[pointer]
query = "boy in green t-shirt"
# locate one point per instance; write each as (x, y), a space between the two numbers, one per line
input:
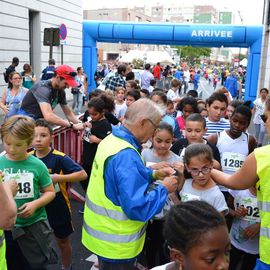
(30, 240)
(62, 169)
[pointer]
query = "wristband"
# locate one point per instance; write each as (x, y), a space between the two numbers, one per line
(71, 124)
(154, 174)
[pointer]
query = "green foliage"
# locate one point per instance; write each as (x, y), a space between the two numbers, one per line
(192, 54)
(137, 63)
(242, 56)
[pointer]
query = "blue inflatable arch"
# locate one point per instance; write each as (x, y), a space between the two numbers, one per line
(174, 34)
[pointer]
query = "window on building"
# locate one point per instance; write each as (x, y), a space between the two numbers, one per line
(112, 56)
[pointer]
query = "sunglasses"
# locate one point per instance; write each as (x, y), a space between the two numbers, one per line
(72, 73)
(264, 117)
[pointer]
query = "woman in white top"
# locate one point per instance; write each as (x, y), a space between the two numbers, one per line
(258, 109)
(80, 91)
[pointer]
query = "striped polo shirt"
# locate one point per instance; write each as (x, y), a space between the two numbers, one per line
(214, 127)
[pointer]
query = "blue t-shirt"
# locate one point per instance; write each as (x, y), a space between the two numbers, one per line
(47, 73)
(58, 210)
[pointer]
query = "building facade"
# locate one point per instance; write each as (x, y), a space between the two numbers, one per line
(22, 29)
(111, 51)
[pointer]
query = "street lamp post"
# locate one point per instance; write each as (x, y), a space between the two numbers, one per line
(241, 18)
(120, 48)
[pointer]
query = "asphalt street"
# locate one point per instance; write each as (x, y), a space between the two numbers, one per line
(82, 259)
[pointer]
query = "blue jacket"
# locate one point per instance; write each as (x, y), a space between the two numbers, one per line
(231, 84)
(127, 181)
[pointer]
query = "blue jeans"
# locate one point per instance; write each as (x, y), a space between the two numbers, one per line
(259, 133)
(77, 102)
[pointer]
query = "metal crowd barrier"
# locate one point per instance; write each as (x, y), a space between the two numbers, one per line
(68, 141)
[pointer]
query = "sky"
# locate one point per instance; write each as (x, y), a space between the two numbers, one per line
(250, 11)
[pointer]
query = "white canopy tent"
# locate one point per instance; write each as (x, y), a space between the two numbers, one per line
(151, 57)
(243, 62)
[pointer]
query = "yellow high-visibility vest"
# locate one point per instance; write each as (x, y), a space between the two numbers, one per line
(107, 231)
(3, 265)
(262, 155)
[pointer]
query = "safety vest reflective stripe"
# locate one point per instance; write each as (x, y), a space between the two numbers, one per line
(265, 232)
(115, 238)
(264, 206)
(113, 214)
(107, 230)
(2, 238)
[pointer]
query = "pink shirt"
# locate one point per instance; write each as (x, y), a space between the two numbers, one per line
(181, 122)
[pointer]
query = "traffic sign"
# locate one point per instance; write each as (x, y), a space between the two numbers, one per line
(63, 31)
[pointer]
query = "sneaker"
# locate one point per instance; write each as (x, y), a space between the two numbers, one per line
(81, 211)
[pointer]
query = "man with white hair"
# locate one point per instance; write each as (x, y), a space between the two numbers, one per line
(120, 197)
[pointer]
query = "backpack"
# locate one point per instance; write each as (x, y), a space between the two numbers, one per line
(5, 76)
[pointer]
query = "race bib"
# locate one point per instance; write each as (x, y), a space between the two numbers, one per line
(25, 184)
(27, 79)
(57, 188)
(87, 133)
(185, 197)
(232, 161)
(252, 208)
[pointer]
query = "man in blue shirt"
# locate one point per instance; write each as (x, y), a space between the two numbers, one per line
(231, 85)
(146, 77)
(179, 74)
(128, 184)
(48, 72)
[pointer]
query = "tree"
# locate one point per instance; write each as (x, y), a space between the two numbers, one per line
(137, 63)
(192, 54)
(242, 56)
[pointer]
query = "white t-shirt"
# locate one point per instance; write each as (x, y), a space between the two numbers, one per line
(233, 152)
(259, 110)
(249, 201)
(120, 109)
(186, 75)
(150, 89)
(171, 95)
(213, 196)
(81, 80)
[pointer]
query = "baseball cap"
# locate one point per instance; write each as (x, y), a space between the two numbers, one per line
(68, 73)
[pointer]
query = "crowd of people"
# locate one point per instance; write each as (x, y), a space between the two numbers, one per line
(171, 181)
(160, 76)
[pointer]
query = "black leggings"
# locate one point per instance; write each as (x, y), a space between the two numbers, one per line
(104, 265)
(238, 256)
(155, 251)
